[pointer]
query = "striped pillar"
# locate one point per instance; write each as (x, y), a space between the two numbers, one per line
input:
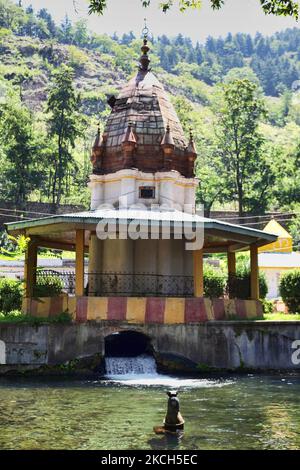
(198, 273)
(30, 268)
(79, 265)
(254, 272)
(231, 262)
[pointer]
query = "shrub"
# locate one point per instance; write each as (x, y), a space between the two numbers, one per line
(214, 282)
(19, 317)
(267, 306)
(239, 285)
(48, 286)
(11, 293)
(77, 58)
(289, 288)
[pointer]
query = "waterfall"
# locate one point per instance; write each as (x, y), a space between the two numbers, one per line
(139, 365)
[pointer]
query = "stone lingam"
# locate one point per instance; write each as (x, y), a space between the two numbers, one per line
(173, 421)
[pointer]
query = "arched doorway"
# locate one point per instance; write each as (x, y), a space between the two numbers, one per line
(127, 344)
(129, 352)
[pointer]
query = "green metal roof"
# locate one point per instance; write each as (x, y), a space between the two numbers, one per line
(123, 216)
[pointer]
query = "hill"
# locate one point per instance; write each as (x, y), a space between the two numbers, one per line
(33, 47)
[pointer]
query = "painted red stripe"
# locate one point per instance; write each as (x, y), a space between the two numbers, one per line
(56, 306)
(155, 310)
(81, 309)
(194, 310)
(259, 309)
(218, 309)
(32, 307)
(240, 307)
(117, 307)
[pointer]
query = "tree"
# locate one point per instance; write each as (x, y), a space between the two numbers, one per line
(22, 168)
(81, 33)
(66, 31)
(274, 7)
(65, 125)
(240, 144)
(43, 14)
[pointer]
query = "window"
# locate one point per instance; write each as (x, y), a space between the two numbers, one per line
(147, 192)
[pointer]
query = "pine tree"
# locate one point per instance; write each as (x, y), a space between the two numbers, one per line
(22, 169)
(65, 125)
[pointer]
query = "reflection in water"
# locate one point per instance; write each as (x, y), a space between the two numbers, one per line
(280, 427)
(168, 441)
(243, 412)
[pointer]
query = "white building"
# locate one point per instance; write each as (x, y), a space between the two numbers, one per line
(277, 258)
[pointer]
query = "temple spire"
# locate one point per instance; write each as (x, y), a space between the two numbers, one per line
(144, 59)
(191, 149)
(97, 151)
(191, 156)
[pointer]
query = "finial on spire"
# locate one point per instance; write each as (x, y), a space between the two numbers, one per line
(145, 31)
(167, 140)
(97, 142)
(129, 137)
(144, 59)
(191, 149)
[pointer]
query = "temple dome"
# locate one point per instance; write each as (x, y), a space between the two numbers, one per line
(143, 106)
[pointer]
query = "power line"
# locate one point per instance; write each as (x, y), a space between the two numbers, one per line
(25, 211)
(279, 214)
(259, 223)
(15, 217)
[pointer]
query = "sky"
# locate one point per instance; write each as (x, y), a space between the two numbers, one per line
(128, 15)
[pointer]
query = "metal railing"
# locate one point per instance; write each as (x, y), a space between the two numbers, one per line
(140, 284)
(125, 284)
(67, 278)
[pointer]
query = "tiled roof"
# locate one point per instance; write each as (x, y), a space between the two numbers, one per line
(144, 104)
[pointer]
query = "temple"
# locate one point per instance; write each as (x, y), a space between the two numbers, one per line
(144, 241)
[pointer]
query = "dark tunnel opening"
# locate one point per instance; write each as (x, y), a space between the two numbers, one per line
(127, 344)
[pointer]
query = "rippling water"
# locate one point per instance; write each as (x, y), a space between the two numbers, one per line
(235, 412)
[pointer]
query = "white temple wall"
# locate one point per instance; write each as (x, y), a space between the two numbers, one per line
(166, 257)
(171, 189)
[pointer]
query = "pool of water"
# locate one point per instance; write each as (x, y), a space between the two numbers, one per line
(232, 412)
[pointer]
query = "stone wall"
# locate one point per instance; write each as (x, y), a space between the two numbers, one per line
(259, 345)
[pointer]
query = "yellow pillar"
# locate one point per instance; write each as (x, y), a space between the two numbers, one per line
(254, 272)
(198, 273)
(30, 268)
(79, 265)
(231, 262)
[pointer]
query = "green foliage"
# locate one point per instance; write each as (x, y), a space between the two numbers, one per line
(294, 230)
(77, 58)
(18, 317)
(289, 288)
(214, 282)
(48, 286)
(268, 306)
(22, 171)
(240, 144)
(11, 293)
(239, 285)
(65, 125)
(17, 247)
(274, 7)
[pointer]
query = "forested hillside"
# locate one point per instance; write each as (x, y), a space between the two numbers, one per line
(251, 162)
